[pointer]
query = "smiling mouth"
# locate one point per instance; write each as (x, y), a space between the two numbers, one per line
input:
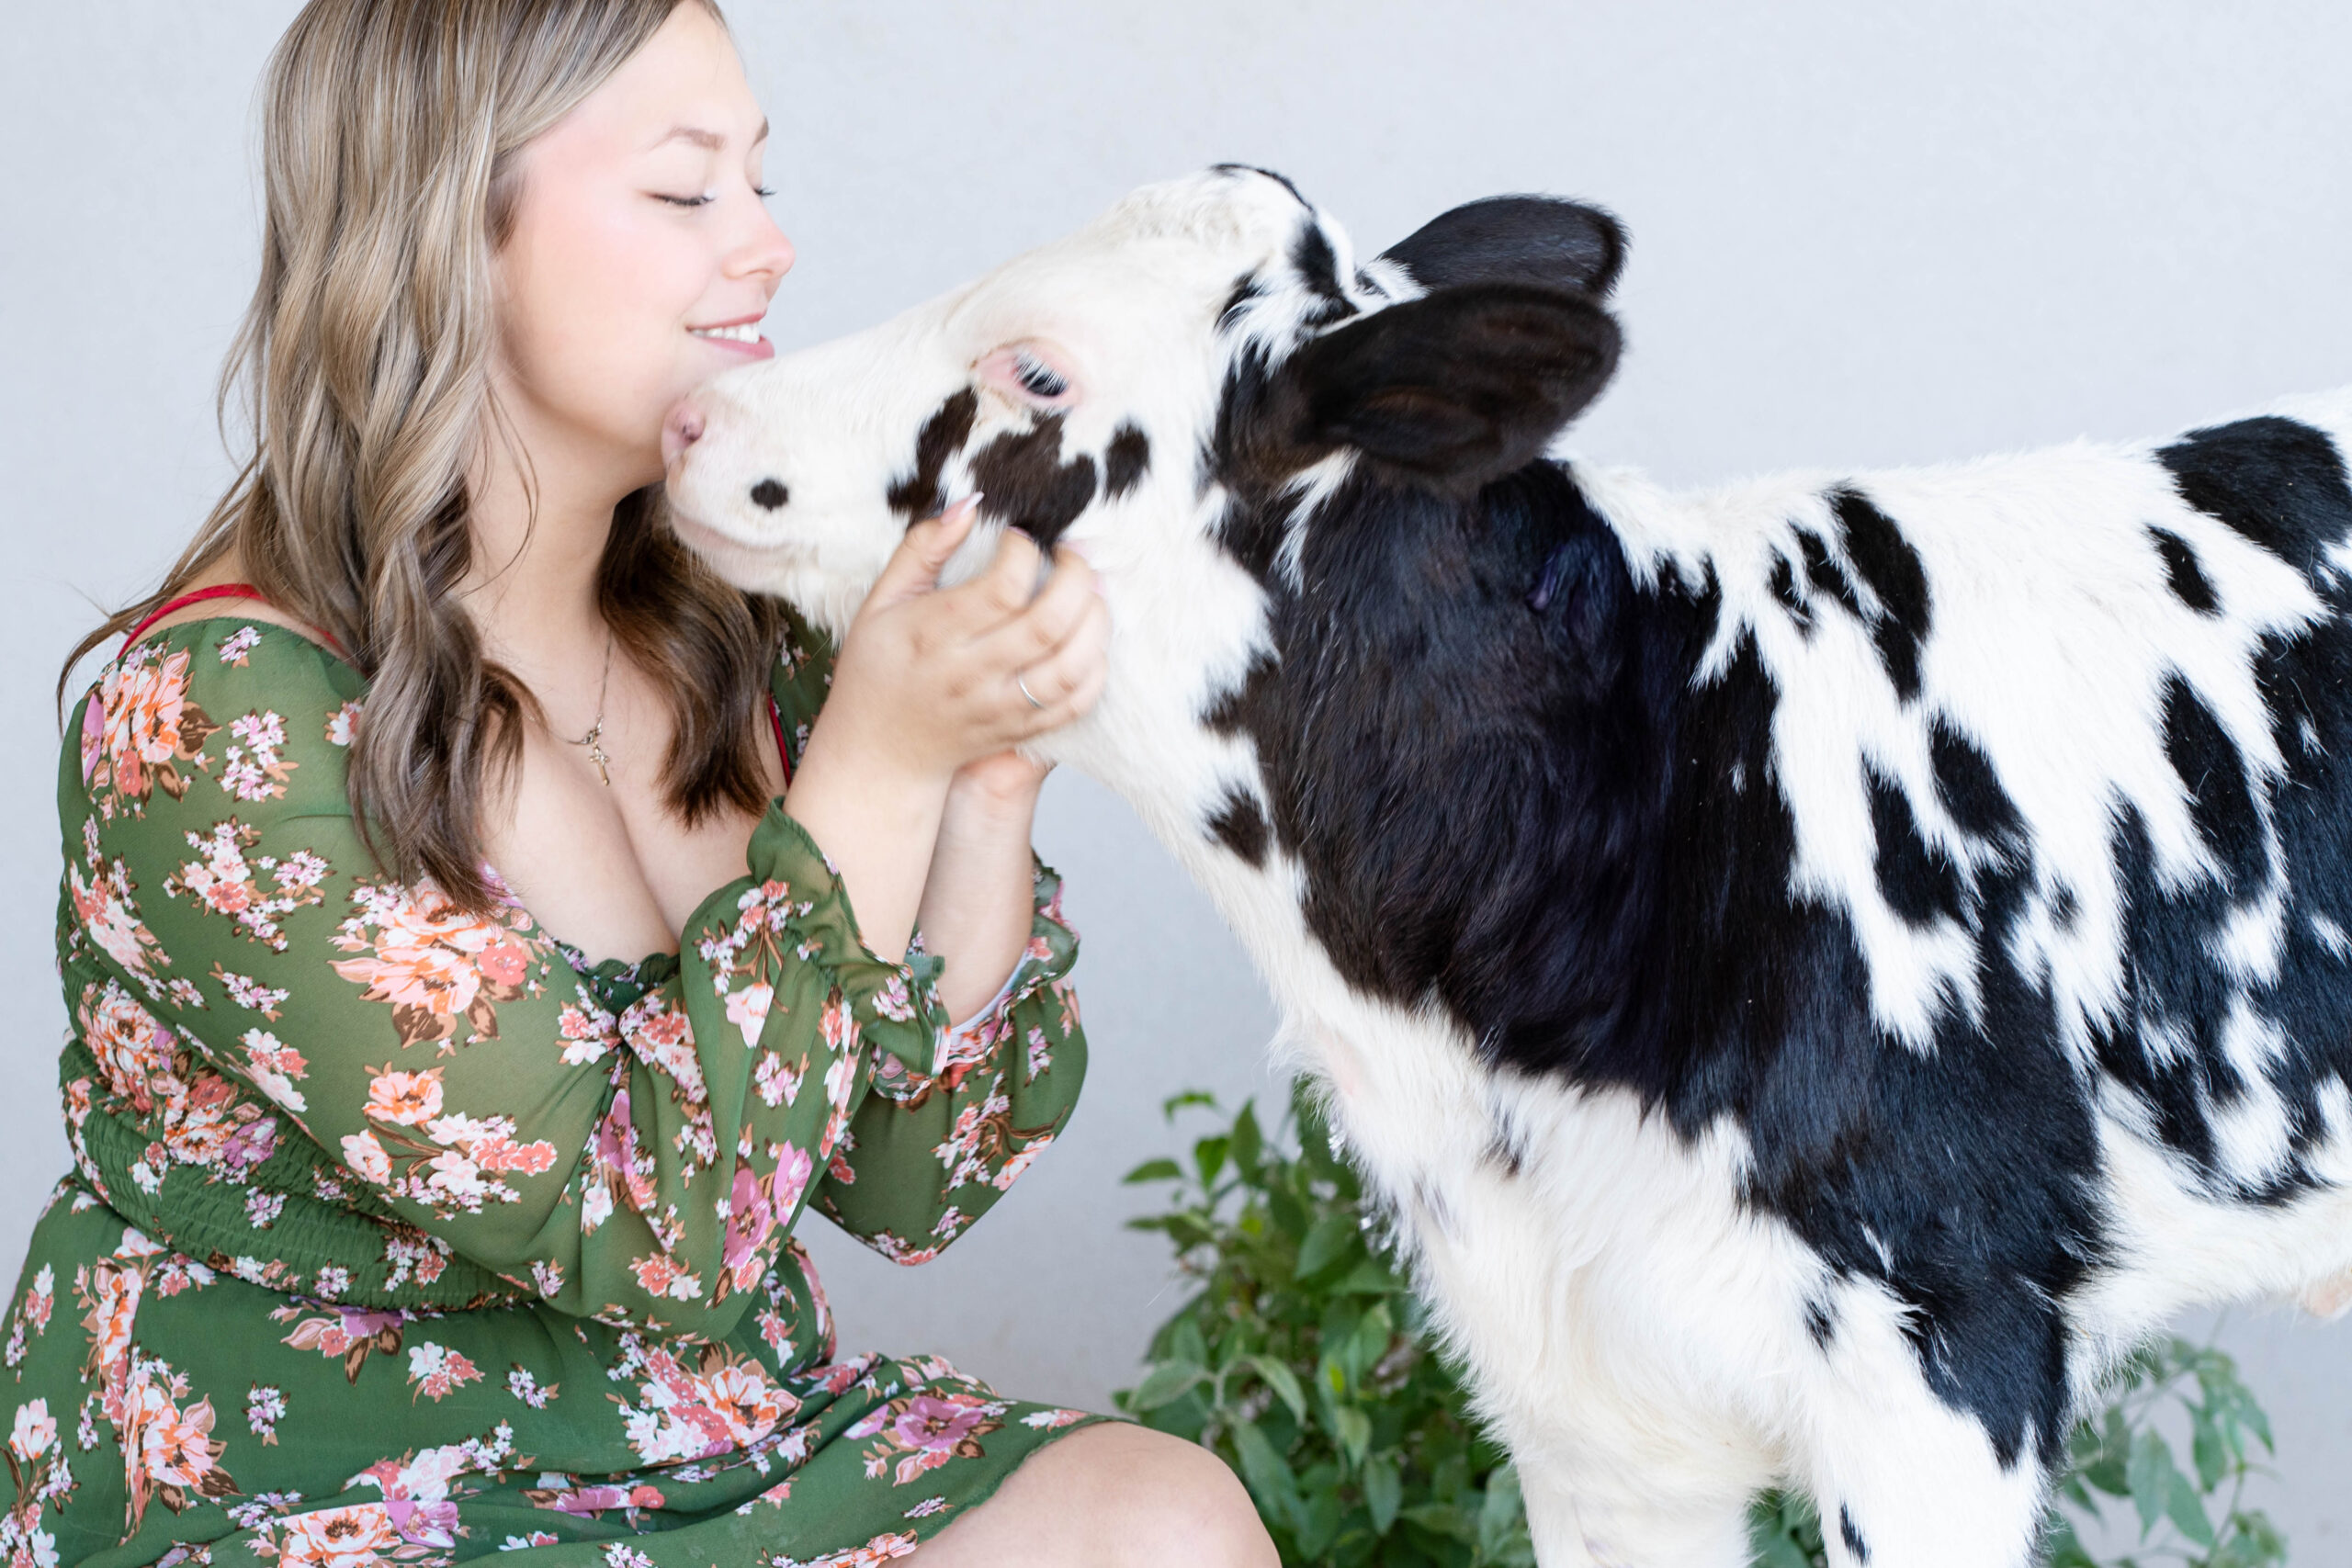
(745, 332)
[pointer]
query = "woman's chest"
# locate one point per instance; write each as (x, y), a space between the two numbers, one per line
(595, 852)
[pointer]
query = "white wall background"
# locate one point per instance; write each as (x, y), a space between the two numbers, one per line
(1863, 234)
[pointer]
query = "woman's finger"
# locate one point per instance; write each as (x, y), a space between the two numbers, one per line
(1046, 622)
(1011, 581)
(914, 566)
(1076, 666)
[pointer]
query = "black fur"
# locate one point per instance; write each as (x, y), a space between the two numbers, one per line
(1886, 561)
(1240, 826)
(770, 494)
(1125, 461)
(2186, 578)
(1451, 390)
(943, 435)
(1850, 1536)
(1515, 238)
(1026, 485)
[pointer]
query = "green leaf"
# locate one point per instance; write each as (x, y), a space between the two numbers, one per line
(1176, 1102)
(1383, 1490)
(2151, 1474)
(1284, 1383)
(1370, 1341)
(2211, 1454)
(1267, 1473)
(1504, 1513)
(1209, 1155)
(1154, 1171)
(1372, 1277)
(1353, 1428)
(2187, 1511)
(1186, 1344)
(1169, 1381)
(1248, 1144)
(1441, 1518)
(1325, 1243)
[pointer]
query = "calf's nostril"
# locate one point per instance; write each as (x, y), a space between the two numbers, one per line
(770, 494)
(681, 430)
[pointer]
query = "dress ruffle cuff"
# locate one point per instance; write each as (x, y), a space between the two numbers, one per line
(897, 1005)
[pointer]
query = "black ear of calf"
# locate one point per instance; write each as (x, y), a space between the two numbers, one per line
(1459, 387)
(1515, 238)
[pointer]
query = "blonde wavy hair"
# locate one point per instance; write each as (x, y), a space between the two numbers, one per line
(391, 136)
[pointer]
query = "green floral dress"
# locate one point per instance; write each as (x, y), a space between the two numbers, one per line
(401, 1235)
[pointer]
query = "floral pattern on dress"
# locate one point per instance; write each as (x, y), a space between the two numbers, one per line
(359, 1171)
(139, 729)
(433, 961)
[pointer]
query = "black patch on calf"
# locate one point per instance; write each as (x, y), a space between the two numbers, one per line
(1850, 1536)
(1240, 826)
(2277, 482)
(1025, 482)
(1318, 266)
(1917, 878)
(1246, 288)
(919, 493)
(1125, 462)
(1968, 788)
(1540, 817)
(1784, 594)
(2221, 795)
(2187, 579)
(1826, 576)
(1820, 1323)
(770, 493)
(1891, 568)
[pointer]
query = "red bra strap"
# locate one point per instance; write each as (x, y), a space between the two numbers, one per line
(218, 591)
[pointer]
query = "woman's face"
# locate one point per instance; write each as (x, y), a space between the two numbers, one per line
(639, 243)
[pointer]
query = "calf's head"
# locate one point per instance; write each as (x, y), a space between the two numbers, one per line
(1175, 390)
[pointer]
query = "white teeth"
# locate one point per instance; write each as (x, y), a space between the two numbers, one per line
(748, 332)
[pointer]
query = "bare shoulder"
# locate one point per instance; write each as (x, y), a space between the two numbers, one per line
(227, 574)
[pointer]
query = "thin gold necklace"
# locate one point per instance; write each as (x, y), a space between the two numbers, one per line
(594, 739)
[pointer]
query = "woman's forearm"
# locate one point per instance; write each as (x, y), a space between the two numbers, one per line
(975, 908)
(878, 828)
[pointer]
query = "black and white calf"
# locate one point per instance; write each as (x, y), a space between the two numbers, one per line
(1821, 966)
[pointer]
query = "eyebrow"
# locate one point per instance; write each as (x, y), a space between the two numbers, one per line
(711, 139)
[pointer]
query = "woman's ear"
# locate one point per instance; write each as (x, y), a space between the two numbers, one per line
(1456, 388)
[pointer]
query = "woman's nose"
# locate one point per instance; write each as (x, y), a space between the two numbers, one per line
(681, 430)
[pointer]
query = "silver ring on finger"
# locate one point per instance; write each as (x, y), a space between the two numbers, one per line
(1027, 692)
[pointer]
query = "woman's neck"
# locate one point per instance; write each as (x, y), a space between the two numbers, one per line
(541, 507)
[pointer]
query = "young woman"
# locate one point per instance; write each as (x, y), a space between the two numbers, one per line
(485, 934)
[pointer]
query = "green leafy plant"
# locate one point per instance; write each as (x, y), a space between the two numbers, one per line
(1303, 1359)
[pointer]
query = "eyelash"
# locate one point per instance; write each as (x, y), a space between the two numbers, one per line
(762, 192)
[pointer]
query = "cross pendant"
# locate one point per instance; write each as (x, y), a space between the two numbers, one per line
(595, 741)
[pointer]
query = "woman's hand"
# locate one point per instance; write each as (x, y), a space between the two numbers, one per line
(930, 678)
(925, 684)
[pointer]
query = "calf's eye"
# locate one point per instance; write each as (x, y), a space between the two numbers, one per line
(1037, 378)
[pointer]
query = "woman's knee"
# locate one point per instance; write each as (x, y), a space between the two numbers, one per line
(1175, 1502)
(1112, 1495)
